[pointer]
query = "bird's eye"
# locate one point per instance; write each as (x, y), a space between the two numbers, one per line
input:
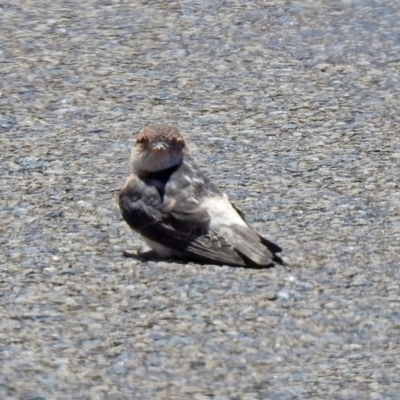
(179, 142)
(141, 140)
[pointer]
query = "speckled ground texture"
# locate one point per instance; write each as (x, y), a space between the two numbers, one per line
(292, 107)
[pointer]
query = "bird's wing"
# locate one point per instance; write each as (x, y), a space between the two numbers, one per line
(180, 225)
(272, 247)
(252, 247)
(256, 251)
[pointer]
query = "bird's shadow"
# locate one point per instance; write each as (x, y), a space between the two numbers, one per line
(151, 255)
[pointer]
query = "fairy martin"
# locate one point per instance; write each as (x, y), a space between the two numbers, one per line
(180, 213)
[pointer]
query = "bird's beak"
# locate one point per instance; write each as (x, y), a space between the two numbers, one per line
(160, 146)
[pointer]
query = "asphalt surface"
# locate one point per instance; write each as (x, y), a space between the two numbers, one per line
(292, 107)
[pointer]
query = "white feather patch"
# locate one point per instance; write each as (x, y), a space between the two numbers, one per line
(160, 249)
(222, 212)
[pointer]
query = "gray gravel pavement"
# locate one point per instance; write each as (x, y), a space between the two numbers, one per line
(292, 107)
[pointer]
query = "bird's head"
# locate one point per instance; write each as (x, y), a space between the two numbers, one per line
(157, 147)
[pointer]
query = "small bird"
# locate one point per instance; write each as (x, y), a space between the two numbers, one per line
(180, 213)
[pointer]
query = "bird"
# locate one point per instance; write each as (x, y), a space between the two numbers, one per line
(180, 213)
